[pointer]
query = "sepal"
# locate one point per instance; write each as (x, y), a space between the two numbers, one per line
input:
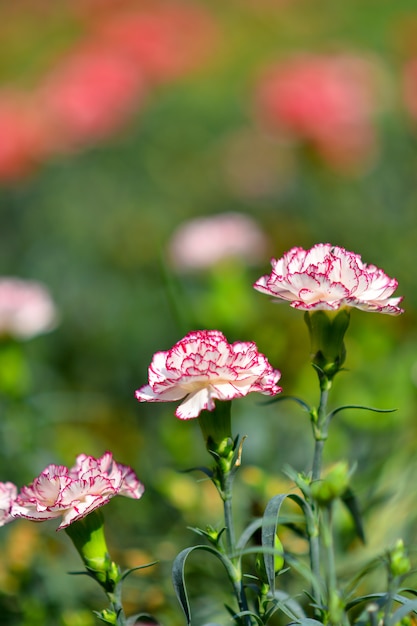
(327, 330)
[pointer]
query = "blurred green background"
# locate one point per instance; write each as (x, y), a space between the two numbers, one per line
(92, 216)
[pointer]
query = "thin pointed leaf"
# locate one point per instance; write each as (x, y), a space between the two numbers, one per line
(351, 502)
(247, 533)
(379, 598)
(280, 398)
(200, 468)
(307, 621)
(138, 567)
(250, 614)
(405, 609)
(178, 574)
(293, 605)
(269, 529)
(358, 406)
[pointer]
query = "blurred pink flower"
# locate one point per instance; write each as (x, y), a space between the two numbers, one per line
(203, 367)
(328, 100)
(22, 137)
(203, 242)
(163, 39)
(328, 277)
(8, 494)
(89, 95)
(26, 308)
(74, 493)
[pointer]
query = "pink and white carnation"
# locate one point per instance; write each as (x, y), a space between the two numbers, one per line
(203, 367)
(73, 493)
(8, 494)
(26, 308)
(328, 278)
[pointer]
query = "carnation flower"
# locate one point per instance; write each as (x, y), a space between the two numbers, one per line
(74, 493)
(202, 242)
(203, 367)
(8, 493)
(26, 308)
(328, 278)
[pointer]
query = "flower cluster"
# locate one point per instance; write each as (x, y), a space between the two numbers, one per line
(203, 367)
(328, 278)
(95, 87)
(26, 308)
(71, 493)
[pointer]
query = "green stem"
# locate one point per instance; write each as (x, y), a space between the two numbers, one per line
(116, 605)
(226, 482)
(320, 426)
(327, 536)
(320, 430)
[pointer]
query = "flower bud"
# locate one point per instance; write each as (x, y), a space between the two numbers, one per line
(399, 562)
(333, 485)
(107, 616)
(278, 561)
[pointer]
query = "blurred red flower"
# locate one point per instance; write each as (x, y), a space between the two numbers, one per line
(88, 95)
(327, 100)
(22, 137)
(410, 87)
(165, 40)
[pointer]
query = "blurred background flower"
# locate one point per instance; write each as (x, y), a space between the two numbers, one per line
(124, 124)
(26, 308)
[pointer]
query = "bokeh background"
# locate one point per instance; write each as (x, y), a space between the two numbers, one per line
(121, 122)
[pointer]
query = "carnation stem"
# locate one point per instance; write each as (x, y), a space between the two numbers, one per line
(320, 425)
(225, 491)
(320, 430)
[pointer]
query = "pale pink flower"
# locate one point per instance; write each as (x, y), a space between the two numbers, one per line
(328, 277)
(73, 493)
(26, 308)
(203, 367)
(202, 242)
(8, 494)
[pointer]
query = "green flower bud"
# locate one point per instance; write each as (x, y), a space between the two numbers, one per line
(333, 485)
(278, 561)
(107, 616)
(399, 562)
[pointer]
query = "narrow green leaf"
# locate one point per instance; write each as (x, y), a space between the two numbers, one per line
(408, 607)
(205, 470)
(178, 574)
(269, 529)
(138, 567)
(358, 406)
(250, 614)
(247, 533)
(351, 502)
(280, 398)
